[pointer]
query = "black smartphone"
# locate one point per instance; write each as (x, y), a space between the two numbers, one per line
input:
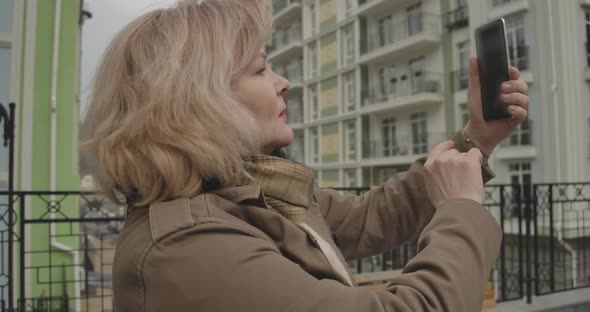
(494, 63)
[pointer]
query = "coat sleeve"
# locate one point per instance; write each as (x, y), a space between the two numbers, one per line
(385, 217)
(222, 267)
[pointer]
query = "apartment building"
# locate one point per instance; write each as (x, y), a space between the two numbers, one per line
(375, 83)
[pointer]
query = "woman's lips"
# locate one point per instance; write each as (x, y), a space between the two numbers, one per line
(283, 116)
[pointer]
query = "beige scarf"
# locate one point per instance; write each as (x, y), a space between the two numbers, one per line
(287, 185)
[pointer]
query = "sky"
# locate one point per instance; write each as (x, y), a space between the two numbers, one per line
(108, 18)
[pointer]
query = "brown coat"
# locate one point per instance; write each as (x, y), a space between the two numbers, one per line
(225, 251)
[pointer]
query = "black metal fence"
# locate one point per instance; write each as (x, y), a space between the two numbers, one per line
(57, 247)
(546, 242)
(57, 250)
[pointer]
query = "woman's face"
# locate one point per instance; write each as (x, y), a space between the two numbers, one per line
(261, 91)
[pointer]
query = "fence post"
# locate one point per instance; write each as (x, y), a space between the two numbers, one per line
(503, 245)
(527, 216)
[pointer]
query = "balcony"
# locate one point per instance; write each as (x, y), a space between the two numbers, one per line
(404, 149)
(294, 111)
(372, 7)
(587, 74)
(286, 44)
(457, 18)
(421, 91)
(502, 8)
(460, 79)
(402, 37)
(292, 72)
(284, 10)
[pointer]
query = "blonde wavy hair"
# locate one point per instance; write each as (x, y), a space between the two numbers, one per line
(163, 119)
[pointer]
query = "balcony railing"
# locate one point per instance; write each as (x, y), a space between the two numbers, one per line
(460, 79)
(522, 136)
(294, 111)
(278, 5)
(292, 71)
(403, 145)
(587, 54)
(458, 18)
(496, 3)
(285, 37)
(427, 82)
(541, 253)
(401, 29)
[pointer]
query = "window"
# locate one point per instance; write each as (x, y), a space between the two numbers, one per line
(516, 43)
(314, 102)
(314, 149)
(587, 38)
(385, 31)
(390, 147)
(294, 110)
(384, 173)
(5, 63)
(520, 177)
(417, 74)
(415, 19)
(313, 17)
(522, 134)
(496, 3)
(350, 141)
(464, 115)
(350, 178)
(6, 9)
(419, 133)
(347, 7)
(313, 60)
(463, 72)
(387, 82)
(295, 149)
(349, 92)
(461, 3)
(347, 45)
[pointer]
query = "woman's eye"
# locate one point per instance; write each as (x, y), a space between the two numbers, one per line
(261, 71)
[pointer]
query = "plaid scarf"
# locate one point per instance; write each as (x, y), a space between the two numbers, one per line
(287, 185)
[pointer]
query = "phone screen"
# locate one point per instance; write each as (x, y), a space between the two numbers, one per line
(493, 68)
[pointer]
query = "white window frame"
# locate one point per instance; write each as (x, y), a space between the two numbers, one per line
(464, 114)
(587, 26)
(347, 45)
(350, 146)
(314, 18)
(417, 74)
(314, 145)
(314, 103)
(514, 27)
(350, 178)
(313, 60)
(419, 127)
(463, 50)
(349, 92)
(389, 139)
(384, 31)
(415, 18)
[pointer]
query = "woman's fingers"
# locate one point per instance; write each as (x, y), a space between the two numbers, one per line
(515, 86)
(514, 73)
(516, 98)
(518, 113)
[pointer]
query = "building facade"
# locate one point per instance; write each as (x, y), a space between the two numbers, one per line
(39, 72)
(376, 83)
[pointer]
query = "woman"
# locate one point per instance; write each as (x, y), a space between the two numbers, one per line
(186, 121)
